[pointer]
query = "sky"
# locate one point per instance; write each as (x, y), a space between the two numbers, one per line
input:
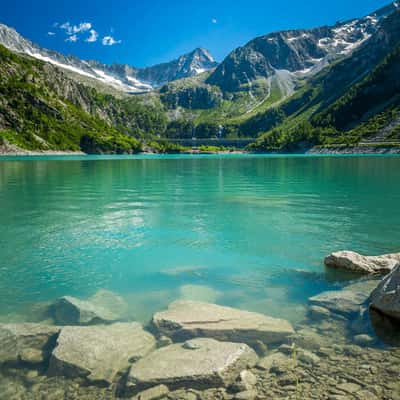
(146, 32)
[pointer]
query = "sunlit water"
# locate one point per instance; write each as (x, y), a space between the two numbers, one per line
(247, 231)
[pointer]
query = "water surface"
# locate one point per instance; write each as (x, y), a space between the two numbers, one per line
(246, 231)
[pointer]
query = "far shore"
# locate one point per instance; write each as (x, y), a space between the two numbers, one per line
(355, 150)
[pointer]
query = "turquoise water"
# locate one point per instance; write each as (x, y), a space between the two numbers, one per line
(246, 231)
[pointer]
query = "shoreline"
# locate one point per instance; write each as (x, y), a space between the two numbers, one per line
(351, 150)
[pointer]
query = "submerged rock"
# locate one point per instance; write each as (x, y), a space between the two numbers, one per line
(188, 319)
(386, 297)
(344, 302)
(351, 261)
(27, 342)
(198, 293)
(99, 352)
(198, 363)
(103, 307)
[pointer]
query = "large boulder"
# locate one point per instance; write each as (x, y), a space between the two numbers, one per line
(343, 302)
(27, 342)
(351, 261)
(198, 364)
(99, 352)
(188, 319)
(103, 307)
(386, 297)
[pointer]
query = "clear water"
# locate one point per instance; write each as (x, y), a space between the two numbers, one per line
(247, 231)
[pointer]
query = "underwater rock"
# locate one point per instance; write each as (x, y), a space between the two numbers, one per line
(343, 302)
(187, 319)
(386, 297)
(99, 352)
(154, 393)
(26, 342)
(198, 363)
(274, 360)
(198, 293)
(102, 308)
(351, 261)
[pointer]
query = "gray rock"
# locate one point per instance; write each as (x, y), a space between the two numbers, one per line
(154, 393)
(351, 261)
(27, 342)
(69, 310)
(99, 352)
(386, 297)
(344, 302)
(246, 381)
(187, 319)
(308, 357)
(318, 313)
(199, 363)
(246, 395)
(363, 340)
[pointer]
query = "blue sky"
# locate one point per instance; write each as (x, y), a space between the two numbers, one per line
(147, 32)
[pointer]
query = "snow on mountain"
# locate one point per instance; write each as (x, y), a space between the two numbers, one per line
(301, 52)
(119, 76)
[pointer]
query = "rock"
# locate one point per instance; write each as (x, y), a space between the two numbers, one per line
(27, 342)
(386, 297)
(364, 286)
(199, 293)
(318, 313)
(246, 381)
(72, 311)
(111, 302)
(198, 364)
(274, 360)
(154, 393)
(355, 262)
(307, 357)
(187, 319)
(363, 340)
(100, 352)
(344, 302)
(246, 395)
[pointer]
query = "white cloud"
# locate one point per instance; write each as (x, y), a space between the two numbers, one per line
(82, 27)
(214, 20)
(93, 36)
(74, 29)
(72, 38)
(109, 41)
(51, 33)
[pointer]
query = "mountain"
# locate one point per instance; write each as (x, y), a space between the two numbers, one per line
(356, 99)
(300, 52)
(119, 76)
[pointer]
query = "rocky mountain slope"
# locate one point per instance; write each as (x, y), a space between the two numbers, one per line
(119, 76)
(301, 52)
(41, 108)
(353, 100)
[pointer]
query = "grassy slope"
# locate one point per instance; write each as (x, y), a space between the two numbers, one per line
(41, 108)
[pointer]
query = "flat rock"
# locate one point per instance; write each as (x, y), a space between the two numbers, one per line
(352, 261)
(386, 297)
(344, 302)
(102, 308)
(187, 319)
(27, 342)
(99, 352)
(198, 364)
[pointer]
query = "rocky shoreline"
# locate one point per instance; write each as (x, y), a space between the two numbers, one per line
(193, 350)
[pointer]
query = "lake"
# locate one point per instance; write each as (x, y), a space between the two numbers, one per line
(246, 231)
